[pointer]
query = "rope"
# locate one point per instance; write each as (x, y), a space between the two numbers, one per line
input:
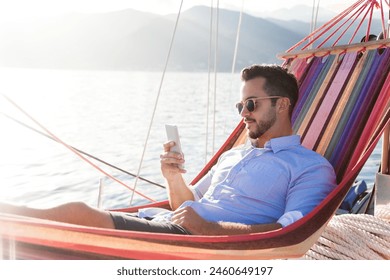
(157, 99)
(209, 82)
(314, 16)
(215, 75)
(214, 93)
(354, 237)
(234, 62)
(72, 149)
(83, 152)
(354, 11)
(326, 26)
(237, 38)
(384, 30)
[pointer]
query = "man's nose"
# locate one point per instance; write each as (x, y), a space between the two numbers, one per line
(244, 112)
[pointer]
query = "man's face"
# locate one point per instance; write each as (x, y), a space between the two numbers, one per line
(263, 117)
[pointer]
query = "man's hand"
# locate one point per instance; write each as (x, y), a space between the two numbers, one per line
(170, 162)
(191, 221)
(177, 189)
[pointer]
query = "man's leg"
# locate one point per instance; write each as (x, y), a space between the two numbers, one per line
(74, 213)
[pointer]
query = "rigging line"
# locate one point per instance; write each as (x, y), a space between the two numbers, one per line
(313, 20)
(388, 20)
(316, 15)
(82, 152)
(383, 21)
(312, 17)
(209, 82)
(215, 74)
(235, 58)
(157, 99)
(237, 37)
(73, 150)
(311, 23)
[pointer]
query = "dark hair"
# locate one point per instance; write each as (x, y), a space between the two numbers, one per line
(278, 81)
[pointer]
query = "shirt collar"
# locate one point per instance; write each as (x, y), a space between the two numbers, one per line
(283, 143)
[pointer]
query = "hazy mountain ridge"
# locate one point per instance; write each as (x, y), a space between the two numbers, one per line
(133, 40)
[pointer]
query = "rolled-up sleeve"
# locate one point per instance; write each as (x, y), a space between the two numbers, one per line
(308, 191)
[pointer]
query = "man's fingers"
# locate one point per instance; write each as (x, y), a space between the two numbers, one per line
(168, 145)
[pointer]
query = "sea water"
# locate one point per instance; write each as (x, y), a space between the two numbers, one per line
(117, 116)
(109, 114)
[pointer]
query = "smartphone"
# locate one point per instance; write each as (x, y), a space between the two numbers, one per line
(173, 135)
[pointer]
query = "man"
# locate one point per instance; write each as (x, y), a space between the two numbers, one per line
(263, 186)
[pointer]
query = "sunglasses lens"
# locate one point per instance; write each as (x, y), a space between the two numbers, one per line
(250, 105)
(239, 107)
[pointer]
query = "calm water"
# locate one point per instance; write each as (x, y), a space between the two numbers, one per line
(108, 114)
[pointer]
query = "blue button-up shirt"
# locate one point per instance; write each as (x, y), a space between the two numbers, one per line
(281, 183)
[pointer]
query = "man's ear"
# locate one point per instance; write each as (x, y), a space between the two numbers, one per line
(284, 104)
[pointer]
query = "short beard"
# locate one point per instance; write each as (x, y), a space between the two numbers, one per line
(263, 126)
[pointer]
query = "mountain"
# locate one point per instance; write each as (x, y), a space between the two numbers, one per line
(302, 12)
(133, 40)
(72, 41)
(258, 42)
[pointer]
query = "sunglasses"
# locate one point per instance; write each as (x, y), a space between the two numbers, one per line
(250, 104)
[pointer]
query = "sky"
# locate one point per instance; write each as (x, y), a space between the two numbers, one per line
(19, 9)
